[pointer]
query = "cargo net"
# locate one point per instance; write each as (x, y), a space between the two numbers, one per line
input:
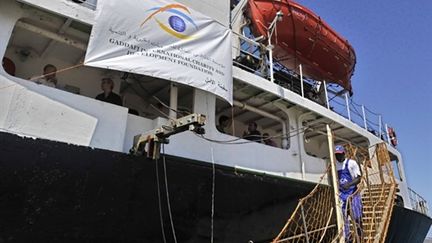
(313, 220)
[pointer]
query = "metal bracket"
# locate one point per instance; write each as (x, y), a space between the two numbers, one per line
(148, 144)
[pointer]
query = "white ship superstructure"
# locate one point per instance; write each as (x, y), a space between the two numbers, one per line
(40, 32)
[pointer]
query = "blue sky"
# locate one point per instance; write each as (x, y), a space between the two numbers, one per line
(393, 76)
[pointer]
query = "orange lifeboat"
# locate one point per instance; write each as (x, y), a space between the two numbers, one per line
(301, 37)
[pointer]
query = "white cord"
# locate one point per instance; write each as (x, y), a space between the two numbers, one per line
(167, 195)
(159, 201)
(213, 196)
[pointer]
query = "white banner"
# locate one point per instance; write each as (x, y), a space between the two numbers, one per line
(162, 39)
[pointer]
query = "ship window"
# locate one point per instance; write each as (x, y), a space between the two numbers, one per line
(43, 43)
(316, 144)
(235, 120)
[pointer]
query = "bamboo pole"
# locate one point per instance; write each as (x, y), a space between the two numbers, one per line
(339, 217)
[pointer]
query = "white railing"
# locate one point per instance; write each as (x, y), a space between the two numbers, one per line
(418, 203)
(253, 57)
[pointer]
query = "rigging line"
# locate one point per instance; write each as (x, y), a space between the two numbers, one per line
(157, 99)
(356, 111)
(373, 113)
(213, 195)
(371, 122)
(242, 142)
(58, 71)
(352, 101)
(213, 186)
(239, 138)
(159, 202)
(163, 113)
(337, 102)
(167, 194)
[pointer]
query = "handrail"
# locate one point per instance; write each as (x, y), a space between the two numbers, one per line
(418, 203)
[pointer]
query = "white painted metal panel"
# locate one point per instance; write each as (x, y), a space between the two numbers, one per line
(29, 113)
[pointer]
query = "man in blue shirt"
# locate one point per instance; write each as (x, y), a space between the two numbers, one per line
(349, 175)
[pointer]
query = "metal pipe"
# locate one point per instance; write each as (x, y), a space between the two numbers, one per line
(387, 133)
(268, 115)
(270, 31)
(326, 95)
(52, 35)
(173, 101)
(270, 50)
(380, 126)
(301, 80)
(364, 117)
(348, 107)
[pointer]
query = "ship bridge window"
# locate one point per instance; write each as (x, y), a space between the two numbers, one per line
(43, 44)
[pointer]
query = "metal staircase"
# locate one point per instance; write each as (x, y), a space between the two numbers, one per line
(378, 191)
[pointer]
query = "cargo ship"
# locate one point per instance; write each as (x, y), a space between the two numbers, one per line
(270, 79)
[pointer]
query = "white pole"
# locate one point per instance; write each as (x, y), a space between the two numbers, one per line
(326, 95)
(339, 217)
(380, 125)
(270, 50)
(387, 132)
(348, 107)
(173, 101)
(301, 80)
(364, 117)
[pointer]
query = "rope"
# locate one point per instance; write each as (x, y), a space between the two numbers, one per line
(167, 194)
(233, 141)
(59, 71)
(159, 202)
(373, 113)
(232, 120)
(213, 196)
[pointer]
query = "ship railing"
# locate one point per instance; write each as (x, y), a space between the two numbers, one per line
(252, 56)
(418, 203)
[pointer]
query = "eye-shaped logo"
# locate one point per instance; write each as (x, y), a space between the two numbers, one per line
(177, 22)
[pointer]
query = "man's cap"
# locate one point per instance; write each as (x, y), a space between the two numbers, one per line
(339, 149)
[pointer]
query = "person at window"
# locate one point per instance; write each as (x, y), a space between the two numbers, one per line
(224, 123)
(252, 133)
(268, 140)
(349, 177)
(49, 76)
(108, 95)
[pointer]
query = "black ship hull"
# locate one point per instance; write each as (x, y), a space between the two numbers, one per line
(56, 192)
(407, 226)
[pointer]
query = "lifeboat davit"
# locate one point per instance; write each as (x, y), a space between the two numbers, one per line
(301, 37)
